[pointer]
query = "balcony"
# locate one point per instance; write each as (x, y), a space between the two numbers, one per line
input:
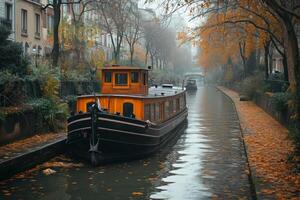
(6, 22)
(24, 32)
(37, 35)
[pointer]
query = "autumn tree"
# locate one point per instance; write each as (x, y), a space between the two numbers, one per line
(114, 21)
(56, 5)
(284, 13)
(133, 30)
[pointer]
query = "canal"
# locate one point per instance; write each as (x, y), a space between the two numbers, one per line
(207, 162)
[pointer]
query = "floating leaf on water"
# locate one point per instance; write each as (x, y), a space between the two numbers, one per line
(137, 193)
(48, 171)
(7, 194)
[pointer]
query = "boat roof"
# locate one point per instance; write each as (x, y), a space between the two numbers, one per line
(116, 67)
(153, 92)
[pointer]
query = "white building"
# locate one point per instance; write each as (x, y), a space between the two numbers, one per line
(7, 15)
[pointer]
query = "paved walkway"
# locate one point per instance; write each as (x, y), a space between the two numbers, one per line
(24, 146)
(268, 148)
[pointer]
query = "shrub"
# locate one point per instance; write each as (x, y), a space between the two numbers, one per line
(11, 54)
(11, 89)
(281, 100)
(52, 112)
(252, 84)
(48, 78)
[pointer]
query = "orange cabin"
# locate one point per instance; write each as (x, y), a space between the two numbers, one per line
(124, 91)
(124, 80)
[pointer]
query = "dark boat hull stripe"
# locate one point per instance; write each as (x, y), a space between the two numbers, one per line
(123, 122)
(128, 132)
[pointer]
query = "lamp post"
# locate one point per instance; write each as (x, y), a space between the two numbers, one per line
(35, 52)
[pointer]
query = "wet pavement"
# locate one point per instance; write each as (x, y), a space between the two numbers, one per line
(208, 161)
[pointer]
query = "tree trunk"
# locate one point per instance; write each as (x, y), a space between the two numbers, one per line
(131, 55)
(291, 50)
(270, 60)
(267, 60)
(55, 50)
(293, 60)
(242, 50)
(146, 57)
(285, 68)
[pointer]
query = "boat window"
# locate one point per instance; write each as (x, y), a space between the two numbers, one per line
(177, 105)
(147, 112)
(107, 77)
(157, 111)
(134, 77)
(166, 111)
(170, 107)
(121, 79)
(128, 109)
(144, 78)
(152, 117)
(182, 103)
(161, 111)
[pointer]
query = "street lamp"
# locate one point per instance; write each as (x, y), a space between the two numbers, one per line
(35, 52)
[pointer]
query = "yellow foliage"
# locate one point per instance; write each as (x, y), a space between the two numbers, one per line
(50, 87)
(139, 52)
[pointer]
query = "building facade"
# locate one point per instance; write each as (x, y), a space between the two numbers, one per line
(7, 16)
(31, 26)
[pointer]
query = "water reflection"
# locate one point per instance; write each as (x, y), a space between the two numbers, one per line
(207, 161)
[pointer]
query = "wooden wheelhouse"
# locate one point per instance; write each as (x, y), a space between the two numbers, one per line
(125, 92)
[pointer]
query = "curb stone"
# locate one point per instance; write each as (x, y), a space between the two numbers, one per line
(251, 174)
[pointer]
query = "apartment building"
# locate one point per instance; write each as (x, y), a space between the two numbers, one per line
(31, 26)
(7, 16)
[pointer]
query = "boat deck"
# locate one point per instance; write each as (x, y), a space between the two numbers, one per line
(153, 92)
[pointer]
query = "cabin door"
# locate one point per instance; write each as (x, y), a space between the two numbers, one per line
(127, 109)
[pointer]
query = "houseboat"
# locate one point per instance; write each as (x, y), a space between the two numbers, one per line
(128, 120)
(191, 84)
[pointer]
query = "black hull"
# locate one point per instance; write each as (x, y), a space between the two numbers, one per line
(119, 138)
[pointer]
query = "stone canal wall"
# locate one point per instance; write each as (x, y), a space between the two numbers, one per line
(18, 123)
(267, 104)
(265, 101)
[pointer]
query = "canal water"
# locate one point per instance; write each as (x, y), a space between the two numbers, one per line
(207, 162)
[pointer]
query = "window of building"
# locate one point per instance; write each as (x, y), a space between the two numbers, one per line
(121, 79)
(107, 77)
(24, 21)
(37, 25)
(50, 24)
(134, 77)
(8, 15)
(26, 48)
